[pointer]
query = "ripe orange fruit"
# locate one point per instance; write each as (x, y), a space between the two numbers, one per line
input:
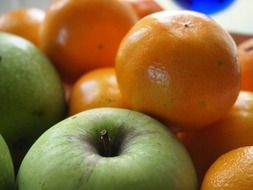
(144, 7)
(80, 35)
(232, 171)
(234, 130)
(246, 61)
(240, 38)
(24, 22)
(179, 66)
(97, 88)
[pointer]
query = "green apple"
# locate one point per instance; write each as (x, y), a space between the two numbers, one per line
(107, 149)
(7, 176)
(31, 92)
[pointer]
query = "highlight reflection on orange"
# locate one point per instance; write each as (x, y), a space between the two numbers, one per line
(97, 88)
(180, 67)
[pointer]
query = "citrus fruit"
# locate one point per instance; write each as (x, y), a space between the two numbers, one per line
(233, 130)
(7, 176)
(97, 88)
(180, 67)
(231, 171)
(240, 37)
(31, 93)
(245, 51)
(144, 7)
(82, 35)
(24, 22)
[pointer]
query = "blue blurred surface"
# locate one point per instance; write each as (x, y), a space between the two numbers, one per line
(205, 6)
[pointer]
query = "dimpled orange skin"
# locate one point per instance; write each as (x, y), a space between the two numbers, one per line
(180, 67)
(80, 35)
(24, 22)
(232, 171)
(246, 61)
(233, 130)
(97, 88)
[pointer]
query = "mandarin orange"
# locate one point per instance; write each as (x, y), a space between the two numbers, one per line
(246, 62)
(97, 88)
(180, 67)
(81, 35)
(233, 130)
(231, 171)
(24, 22)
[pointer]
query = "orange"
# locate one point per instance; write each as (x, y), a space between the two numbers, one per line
(232, 171)
(246, 61)
(24, 22)
(81, 35)
(234, 130)
(97, 88)
(239, 37)
(179, 66)
(144, 7)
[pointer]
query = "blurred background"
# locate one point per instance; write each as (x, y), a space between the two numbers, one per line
(234, 15)
(11, 4)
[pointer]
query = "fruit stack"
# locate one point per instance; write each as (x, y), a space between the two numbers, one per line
(121, 94)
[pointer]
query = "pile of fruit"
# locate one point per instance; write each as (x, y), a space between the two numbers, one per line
(120, 94)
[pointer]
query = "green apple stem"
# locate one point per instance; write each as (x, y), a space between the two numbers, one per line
(106, 142)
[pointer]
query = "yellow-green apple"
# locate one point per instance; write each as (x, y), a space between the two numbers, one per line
(31, 92)
(107, 149)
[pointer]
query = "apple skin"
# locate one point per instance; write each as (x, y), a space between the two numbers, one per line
(67, 155)
(31, 92)
(7, 176)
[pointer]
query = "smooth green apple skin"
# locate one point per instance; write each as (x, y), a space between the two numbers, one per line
(66, 156)
(31, 92)
(7, 176)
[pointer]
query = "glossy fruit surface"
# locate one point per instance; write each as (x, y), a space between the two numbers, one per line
(143, 155)
(231, 171)
(246, 62)
(97, 88)
(24, 22)
(80, 35)
(233, 130)
(179, 66)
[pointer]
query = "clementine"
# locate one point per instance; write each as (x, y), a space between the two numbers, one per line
(97, 88)
(232, 171)
(80, 35)
(179, 66)
(24, 22)
(246, 61)
(234, 130)
(239, 37)
(144, 7)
